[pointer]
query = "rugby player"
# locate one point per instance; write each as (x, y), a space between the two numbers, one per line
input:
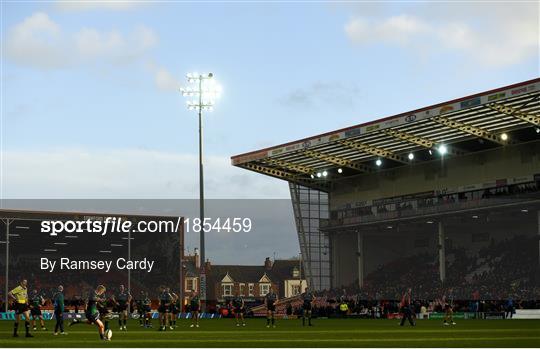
(92, 313)
(448, 303)
(270, 300)
(58, 303)
(20, 296)
(122, 300)
(165, 300)
(405, 308)
(35, 309)
(176, 307)
(238, 306)
(144, 309)
(308, 299)
(106, 306)
(194, 306)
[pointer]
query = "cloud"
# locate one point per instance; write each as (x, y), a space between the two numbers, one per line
(324, 94)
(40, 43)
(128, 173)
(163, 78)
(91, 5)
(398, 30)
(492, 34)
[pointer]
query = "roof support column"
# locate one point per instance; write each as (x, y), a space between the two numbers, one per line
(442, 255)
(538, 220)
(360, 257)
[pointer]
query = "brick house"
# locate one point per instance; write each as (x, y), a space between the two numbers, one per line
(253, 281)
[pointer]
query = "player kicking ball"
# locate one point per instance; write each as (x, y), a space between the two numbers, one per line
(270, 299)
(92, 313)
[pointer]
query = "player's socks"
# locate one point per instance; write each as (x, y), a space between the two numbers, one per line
(27, 327)
(303, 321)
(125, 322)
(15, 328)
(267, 321)
(273, 321)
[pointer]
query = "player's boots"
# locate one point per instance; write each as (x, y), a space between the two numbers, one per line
(27, 328)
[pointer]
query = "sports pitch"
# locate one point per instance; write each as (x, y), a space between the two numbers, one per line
(290, 333)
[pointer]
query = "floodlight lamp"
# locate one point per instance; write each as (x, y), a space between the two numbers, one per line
(378, 162)
(339, 170)
(325, 173)
(442, 149)
(319, 175)
(411, 156)
(504, 136)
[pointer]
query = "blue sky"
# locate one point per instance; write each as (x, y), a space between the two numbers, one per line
(90, 107)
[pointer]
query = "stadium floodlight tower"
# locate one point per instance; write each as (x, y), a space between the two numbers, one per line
(202, 95)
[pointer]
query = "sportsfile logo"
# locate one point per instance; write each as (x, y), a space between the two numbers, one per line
(108, 225)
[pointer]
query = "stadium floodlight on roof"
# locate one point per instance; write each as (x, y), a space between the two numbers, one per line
(442, 149)
(202, 97)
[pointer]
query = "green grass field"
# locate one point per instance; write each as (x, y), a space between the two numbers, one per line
(290, 333)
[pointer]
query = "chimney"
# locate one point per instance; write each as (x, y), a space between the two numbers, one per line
(207, 265)
(197, 258)
(267, 264)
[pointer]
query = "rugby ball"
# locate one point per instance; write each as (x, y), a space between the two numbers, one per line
(108, 334)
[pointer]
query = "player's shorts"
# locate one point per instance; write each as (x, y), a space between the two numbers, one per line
(121, 307)
(238, 310)
(147, 309)
(35, 312)
(306, 305)
(447, 307)
(194, 307)
(92, 317)
(271, 307)
(20, 308)
(163, 308)
(174, 309)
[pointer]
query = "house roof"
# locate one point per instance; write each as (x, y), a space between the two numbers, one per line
(281, 270)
